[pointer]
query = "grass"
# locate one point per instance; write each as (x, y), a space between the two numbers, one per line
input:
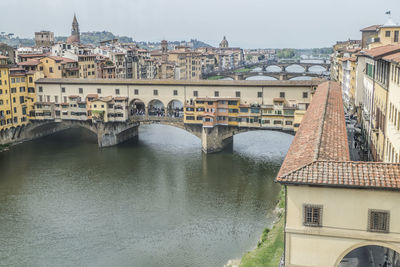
(270, 248)
(243, 70)
(215, 77)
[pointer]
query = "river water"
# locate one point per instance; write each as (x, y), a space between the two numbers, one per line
(158, 201)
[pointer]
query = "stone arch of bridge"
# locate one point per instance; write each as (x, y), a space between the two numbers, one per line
(255, 74)
(252, 129)
(309, 67)
(354, 247)
(296, 65)
(175, 108)
(156, 107)
(266, 67)
(137, 107)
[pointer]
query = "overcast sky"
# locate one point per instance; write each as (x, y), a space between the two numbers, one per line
(246, 23)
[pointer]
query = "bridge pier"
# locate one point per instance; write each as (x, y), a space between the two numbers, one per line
(111, 134)
(215, 139)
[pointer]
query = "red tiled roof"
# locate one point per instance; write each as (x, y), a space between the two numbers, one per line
(32, 55)
(371, 28)
(120, 98)
(3, 57)
(393, 57)
(29, 62)
(347, 174)
(92, 95)
(381, 51)
(319, 154)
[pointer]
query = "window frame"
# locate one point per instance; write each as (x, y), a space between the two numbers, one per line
(369, 226)
(312, 206)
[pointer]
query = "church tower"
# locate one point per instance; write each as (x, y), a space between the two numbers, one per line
(224, 43)
(75, 34)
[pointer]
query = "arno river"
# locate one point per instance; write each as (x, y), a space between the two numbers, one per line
(157, 201)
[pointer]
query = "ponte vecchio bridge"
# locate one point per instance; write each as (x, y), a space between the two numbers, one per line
(67, 103)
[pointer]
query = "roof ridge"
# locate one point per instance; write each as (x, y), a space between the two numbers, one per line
(321, 126)
(297, 169)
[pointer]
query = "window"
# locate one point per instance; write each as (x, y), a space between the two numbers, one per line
(312, 215)
(216, 93)
(282, 94)
(288, 123)
(56, 99)
(175, 92)
(48, 98)
(136, 92)
(378, 221)
(99, 90)
(155, 92)
(195, 93)
(30, 79)
(305, 95)
(117, 91)
(237, 93)
(51, 70)
(370, 70)
(21, 100)
(81, 90)
(40, 89)
(387, 33)
(62, 89)
(191, 118)
(259, 94)
(396, 36)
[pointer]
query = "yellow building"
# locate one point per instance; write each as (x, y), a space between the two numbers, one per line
(17, 95)
(392, 143)
(213, 111)
(386, 34)
(5, 104)
(58, 67)
(87, 66)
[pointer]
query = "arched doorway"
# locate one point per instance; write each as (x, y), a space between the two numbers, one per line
(137, 108)
(156, 108)
(371, 256)
(175, 109)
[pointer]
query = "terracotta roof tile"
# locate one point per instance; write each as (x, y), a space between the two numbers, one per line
(381, 51)
(319, 153)
(347, 174)
(371, 28)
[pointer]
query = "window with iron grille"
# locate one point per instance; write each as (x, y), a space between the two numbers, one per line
(237, 93)
(216, 93)
(378, 221)
(175, 92)
(195, 93)
(312, 215)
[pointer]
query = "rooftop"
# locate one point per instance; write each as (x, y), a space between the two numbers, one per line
(289, 83)
(372, 28)
(381, 51)
(319, 153)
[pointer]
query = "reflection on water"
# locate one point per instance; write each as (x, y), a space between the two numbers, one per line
(158, 201)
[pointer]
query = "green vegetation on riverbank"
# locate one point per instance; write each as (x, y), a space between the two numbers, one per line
(4, 147)
(270, 248)
(243, 70)
(215, 77)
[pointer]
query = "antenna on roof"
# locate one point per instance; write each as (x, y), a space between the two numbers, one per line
(388, 13)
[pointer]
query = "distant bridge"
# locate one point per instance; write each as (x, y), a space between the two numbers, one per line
(282, 75)
(283, 65)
